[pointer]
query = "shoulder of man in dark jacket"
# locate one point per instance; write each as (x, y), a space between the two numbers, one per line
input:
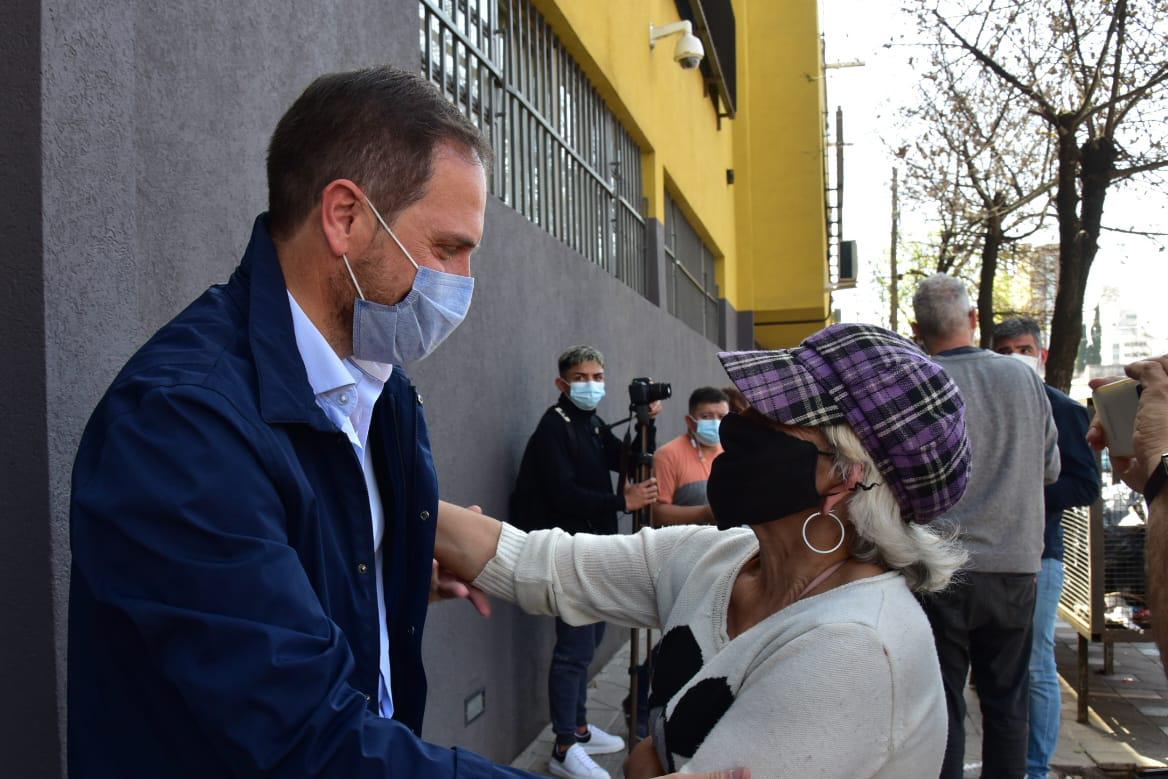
(1079, 482)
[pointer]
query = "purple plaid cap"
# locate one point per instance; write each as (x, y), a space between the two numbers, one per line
(903, 407)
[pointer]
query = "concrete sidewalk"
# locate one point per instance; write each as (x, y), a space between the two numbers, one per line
(1126, 735)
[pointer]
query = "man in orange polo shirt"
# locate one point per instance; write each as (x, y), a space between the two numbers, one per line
(682, 466)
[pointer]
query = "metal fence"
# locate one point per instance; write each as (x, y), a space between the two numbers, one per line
(563, 160)
(690, 290)
(1104, 589)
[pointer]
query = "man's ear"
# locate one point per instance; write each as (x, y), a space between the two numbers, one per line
(1043, 354)
(973, 319)
(916, 331)
(562, 385)
(341, 205)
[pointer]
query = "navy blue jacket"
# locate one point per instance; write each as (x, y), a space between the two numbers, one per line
(1078, 481)
(223, 616)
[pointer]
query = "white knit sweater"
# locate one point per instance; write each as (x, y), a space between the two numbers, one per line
(842, 684)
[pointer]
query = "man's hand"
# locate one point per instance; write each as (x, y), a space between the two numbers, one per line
(1151, 428)
(446, 586)
(641, 494)
(642, 763)
(655, 409)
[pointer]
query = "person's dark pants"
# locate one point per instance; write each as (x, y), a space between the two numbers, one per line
(987, 621)
(568, 677)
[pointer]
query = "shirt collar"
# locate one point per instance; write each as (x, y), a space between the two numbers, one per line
(326, 372)
(959, 350)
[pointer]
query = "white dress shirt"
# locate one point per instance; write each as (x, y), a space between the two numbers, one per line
(346, 391)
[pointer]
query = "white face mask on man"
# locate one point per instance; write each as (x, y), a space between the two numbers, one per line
(1029, 359)
(413, 328)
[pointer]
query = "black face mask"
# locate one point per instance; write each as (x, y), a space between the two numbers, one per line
(762, 475)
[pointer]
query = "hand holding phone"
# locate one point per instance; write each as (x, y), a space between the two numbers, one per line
(1115, 408)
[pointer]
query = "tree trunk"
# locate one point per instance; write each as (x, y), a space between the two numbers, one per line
(1068, 308)
(1077, 252)
(991, 246)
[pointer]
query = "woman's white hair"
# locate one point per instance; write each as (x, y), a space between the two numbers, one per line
(927, 557)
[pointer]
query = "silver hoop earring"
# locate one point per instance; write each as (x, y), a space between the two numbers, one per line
(838, 521)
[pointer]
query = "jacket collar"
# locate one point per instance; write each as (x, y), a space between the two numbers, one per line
(285, 393)
(572, 410)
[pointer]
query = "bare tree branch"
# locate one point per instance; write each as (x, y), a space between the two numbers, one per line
(1047, 110)
(1126, 173)
(1141, 233)
(1120, 15)
(1097, 72)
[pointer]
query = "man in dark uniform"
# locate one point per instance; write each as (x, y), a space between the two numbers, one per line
(565, 481)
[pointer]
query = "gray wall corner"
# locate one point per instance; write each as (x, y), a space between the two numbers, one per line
(656, 268)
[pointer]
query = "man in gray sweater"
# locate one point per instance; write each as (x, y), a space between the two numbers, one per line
(985, 621)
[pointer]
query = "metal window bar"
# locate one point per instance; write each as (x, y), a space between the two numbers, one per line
(561, 157)
(691, 290)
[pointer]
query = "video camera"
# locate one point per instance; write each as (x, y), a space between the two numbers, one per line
(643, 391)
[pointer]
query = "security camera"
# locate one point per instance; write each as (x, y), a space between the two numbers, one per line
(689, 50)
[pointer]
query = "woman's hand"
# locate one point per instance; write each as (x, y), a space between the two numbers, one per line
(642, 762)
(446, 586)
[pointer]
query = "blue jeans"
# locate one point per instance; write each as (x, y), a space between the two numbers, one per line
(1045, 696)
(568, 677)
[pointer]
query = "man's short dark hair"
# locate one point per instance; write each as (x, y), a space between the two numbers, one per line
(578, 355)
(1016, 327)
(377, 127)
(706, 395)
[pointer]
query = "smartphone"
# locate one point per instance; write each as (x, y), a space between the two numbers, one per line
(1115, 405)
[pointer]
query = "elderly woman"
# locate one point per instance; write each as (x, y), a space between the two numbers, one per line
(793, 646)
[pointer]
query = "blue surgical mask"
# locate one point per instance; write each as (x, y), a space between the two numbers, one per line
(586, 395)
(707, 431)
(411, 329)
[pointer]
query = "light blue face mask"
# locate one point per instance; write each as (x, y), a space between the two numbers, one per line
(586, 395)
(707, 431)
(411, 329)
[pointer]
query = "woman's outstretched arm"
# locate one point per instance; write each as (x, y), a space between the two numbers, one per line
(582, 578)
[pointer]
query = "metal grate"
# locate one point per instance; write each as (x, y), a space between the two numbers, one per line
(563, 160)
(1124, 573)
(1077, 596)
(691, 291)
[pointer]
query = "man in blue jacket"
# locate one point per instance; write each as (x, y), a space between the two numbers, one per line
(1078, 485)
(254, 498)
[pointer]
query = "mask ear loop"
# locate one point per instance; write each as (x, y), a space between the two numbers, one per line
(349, 268)
(391, 234)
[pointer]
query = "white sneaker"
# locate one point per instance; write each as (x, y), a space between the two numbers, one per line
(601, 743)
(576, 765)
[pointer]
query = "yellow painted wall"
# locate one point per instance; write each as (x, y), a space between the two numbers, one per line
(768, 227)
(781, 273)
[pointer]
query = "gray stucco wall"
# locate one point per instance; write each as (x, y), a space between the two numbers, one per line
(146, 161)
(485, 390)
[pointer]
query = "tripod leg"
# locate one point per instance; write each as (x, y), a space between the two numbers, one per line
(634, 688)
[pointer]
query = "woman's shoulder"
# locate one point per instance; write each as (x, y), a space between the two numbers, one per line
(705, 551)
(877, 610)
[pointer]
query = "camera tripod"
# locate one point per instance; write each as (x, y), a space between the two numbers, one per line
(640, 469)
